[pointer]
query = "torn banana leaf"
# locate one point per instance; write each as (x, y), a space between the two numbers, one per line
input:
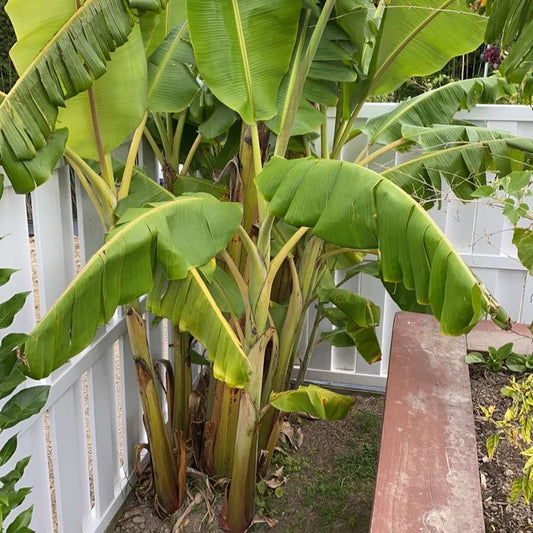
(354, 207)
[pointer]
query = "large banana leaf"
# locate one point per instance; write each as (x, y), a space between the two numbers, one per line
(460, 154)
(175, 236)
(29, 173)
(190, 305)
(438, 106)
(171, 84)
(418, 37)
(243, 49)
(61, 65)
(354, 207)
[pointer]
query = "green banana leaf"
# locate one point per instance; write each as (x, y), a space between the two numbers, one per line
(143, 190)
(354, 207)
(172, 85)
(177, 235)
(25, 175)
(226, 293)
(460, 154)
(243, 49)
(190, 305)
(523, 240)
(418, 37)
(356, 319)
(438, 106)
(314, 401)
(57, 61)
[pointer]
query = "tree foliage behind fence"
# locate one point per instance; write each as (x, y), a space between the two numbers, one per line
(8, 74)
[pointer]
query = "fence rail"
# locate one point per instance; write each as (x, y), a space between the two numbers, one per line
(82, 444)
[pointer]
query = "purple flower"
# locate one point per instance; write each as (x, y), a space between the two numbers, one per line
(492, 55)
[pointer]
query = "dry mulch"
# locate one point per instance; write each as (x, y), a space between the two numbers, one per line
(498, 474)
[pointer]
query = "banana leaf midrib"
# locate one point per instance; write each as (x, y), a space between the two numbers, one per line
(244, 55)
(198, 279)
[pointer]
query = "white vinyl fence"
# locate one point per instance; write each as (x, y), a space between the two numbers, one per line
(82, 444)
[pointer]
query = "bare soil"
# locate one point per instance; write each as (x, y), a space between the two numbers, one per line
(328, 483)
(497, 474)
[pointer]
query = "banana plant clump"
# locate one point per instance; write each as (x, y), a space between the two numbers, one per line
(247, 247)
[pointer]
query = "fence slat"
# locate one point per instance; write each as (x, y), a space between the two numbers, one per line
(132, 429)
(15, 253)
(104, 431)
(90, 227)
(69, 451)
(54, 237)
(33, 442)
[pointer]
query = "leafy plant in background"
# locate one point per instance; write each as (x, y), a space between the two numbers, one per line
(509, 29)
(19, 406)
(8, 74)
(518, 362)
(515, 426)
(221, 90)
(495, 360)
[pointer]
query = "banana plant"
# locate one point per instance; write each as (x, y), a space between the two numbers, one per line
(252, 228)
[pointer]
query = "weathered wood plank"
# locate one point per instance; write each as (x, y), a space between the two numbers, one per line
(428, 479)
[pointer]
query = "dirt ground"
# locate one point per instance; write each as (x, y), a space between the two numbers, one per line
(328, 483)
(498, 474)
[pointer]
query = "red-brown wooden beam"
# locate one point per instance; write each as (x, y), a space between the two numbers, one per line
(428, 477)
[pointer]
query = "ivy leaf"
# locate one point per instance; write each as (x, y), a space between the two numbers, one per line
(22, 521)
(492, 444)
(8, 450)
(5, 275)
(9, 309)
(518, 181)
(15, 474)
(12, 341)
(11, 374)
(22, 405)
(523, 240)
(485, 191)
(510, 211)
